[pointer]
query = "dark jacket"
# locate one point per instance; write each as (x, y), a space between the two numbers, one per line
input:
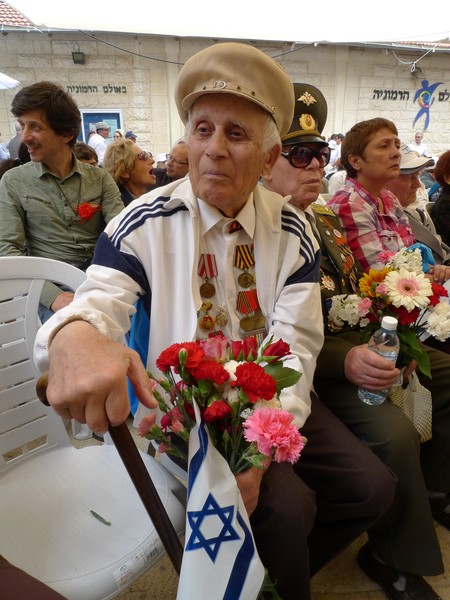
(440, 213)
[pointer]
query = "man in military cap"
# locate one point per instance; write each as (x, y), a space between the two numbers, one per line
(403, 541)
(235, 102)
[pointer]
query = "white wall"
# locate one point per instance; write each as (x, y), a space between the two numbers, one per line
(147, 66)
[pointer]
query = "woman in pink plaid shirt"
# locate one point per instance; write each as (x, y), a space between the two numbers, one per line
(371, 215)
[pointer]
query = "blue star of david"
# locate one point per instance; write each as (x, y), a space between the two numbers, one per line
(227, 534)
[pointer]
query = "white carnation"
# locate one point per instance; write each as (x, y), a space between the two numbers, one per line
(231, 367)
(438, 324)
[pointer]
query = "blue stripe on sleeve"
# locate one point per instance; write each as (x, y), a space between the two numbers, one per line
(292, 223)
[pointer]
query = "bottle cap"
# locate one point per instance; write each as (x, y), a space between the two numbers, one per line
(389, 323)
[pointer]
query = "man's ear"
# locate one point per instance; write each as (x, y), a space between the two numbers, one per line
(271, 159)
(67, 137)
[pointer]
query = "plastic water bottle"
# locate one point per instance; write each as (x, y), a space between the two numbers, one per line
(384, 341)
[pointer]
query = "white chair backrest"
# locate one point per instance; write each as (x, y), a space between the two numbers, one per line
(27, 427)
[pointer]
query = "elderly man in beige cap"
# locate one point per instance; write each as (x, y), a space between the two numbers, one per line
(235, 102)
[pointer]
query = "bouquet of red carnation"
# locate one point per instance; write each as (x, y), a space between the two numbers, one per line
(236, 387)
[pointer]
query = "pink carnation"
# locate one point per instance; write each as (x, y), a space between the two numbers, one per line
(163, 448)
(172, 415)
(177, 426)
(364, 306)
(275, 434)
(146, 424)
(384, 256)
(382, 289)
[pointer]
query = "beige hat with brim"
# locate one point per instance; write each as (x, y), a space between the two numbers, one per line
(411, 162)
(241, 70)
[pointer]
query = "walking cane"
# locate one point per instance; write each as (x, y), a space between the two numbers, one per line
(142, 481)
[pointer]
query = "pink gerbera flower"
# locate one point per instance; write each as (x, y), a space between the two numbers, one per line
(408, 289)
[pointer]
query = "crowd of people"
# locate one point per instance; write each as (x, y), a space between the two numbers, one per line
(247, 175)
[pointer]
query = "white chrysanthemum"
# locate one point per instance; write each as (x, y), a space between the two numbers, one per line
(345, 309)
(410, 260)
(408, 289)
(438, 324)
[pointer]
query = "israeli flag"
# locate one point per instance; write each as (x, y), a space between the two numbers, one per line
(220, 560)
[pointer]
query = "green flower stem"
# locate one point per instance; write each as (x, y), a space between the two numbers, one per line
(268, 588)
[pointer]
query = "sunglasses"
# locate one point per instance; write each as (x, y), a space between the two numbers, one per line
(301, 156)
(144, 155)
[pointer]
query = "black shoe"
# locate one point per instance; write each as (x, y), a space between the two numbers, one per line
(438, 506)
(416, 588)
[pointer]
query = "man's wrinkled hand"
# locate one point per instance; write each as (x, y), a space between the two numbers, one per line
(365, 368)
(249, 483)
(87, 379)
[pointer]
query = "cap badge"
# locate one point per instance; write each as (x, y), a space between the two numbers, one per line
(307, 122)
(307, 99)
(219, 84)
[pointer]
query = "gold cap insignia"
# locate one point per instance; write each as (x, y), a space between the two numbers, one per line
(307, 122)
(307, 99)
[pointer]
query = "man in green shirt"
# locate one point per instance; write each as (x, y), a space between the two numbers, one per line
(55, 206)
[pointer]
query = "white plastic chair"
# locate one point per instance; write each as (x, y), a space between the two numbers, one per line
(47, 487)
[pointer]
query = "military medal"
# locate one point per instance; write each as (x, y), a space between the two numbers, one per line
(207, 323)
(207, 290)
(247, 323)
(207, 269)
(221, 317)
(259, 320)
(246, 279)
(247, 302)
(244, 259)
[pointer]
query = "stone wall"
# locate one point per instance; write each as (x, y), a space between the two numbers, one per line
(136, 74)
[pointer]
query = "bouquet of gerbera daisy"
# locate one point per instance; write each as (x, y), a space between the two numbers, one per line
(401, 290)
(236, 387)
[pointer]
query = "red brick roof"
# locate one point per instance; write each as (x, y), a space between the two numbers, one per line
(11, 17)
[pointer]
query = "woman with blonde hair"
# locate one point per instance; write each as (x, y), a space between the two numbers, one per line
(130, 167)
